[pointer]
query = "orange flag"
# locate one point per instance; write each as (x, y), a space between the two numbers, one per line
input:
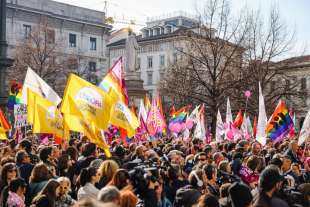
(239, 119)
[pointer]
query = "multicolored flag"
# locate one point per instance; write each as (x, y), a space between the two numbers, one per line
(14, 95)
(280, 123)
(4, 126)
(142, 111)
(155, 122)
(292, 132)
(147, 103)
(115, 81)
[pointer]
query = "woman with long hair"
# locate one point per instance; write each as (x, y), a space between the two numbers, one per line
(88, 178)
(107, 170)
(128, 199)
(8, 173)
(121, 180)
(38, 179)
(48, 196)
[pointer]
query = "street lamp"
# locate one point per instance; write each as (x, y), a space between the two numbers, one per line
(4, 61)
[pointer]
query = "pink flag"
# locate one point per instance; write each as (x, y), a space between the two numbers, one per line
(155, 122)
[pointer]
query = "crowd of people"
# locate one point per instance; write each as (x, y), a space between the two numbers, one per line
(168, 172)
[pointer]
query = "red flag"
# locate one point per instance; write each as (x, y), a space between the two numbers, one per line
(239, 119)
(291, 133)
(254, 126)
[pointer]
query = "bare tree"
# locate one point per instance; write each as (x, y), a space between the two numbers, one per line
(42, 51)
(227, 55)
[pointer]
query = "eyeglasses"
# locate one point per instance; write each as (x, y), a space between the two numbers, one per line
(12, 170)
(202, 159)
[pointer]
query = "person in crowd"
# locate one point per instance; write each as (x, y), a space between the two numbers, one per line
(107, 170)
(48, 195)
(269, 184)
(217, 158)
(121, 179)
(239, 195)
(89, 153)
(8, 173)
(190, 194)
(162, 200)
(292, 150)
(256, 149)
(128, 199)
(38, 179)
(88, 178)
(175, 181)
(210, 176)
(64, 199)
(23, 164)
(46, 156)
(248, 172)
(208, 200)
(26, 145)
(64, 165)
(223, 201)
(17, 190)
(109, 194)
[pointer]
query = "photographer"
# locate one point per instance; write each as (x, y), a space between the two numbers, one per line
(269, 184)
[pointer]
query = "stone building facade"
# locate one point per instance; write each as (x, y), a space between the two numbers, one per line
(298, 69)
(159, 44)
(83, 32)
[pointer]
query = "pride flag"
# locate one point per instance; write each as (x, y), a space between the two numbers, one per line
(280, 123)
(179, 116)
(14, 95)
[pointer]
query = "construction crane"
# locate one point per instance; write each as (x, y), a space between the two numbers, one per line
(113, 20)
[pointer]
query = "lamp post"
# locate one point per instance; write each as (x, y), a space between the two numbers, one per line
(5, 62)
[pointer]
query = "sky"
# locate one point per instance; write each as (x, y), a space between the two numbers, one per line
(295, 13)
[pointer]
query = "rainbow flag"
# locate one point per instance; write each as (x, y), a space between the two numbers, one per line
(179, 116)
(280, 123)
(14, 95)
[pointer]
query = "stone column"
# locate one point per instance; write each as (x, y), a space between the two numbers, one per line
(4, 61)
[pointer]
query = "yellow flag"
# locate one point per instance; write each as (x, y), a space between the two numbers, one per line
(47, 118)
(122, 116)
(3, 134)
(87, 101)
(30, 104)
(75, 123)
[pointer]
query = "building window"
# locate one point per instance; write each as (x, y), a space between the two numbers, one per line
(50, 36)
(303, 85)
(72, 40)
(150, 62)
(27, 31)
(93, 45)
(175, 57)
(92, 66)
(168, 29)
(162, 60)
(150, 78)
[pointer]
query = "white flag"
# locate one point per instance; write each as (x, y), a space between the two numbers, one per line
(200, 131)
(219, 127)
(249, 125)
(38, 85)
(142, 111)
(262, 119)
(305, 130)
(229, 118)
(244, 128)
(194, 115)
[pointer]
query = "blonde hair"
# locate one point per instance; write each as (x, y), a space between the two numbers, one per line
(108, 168)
